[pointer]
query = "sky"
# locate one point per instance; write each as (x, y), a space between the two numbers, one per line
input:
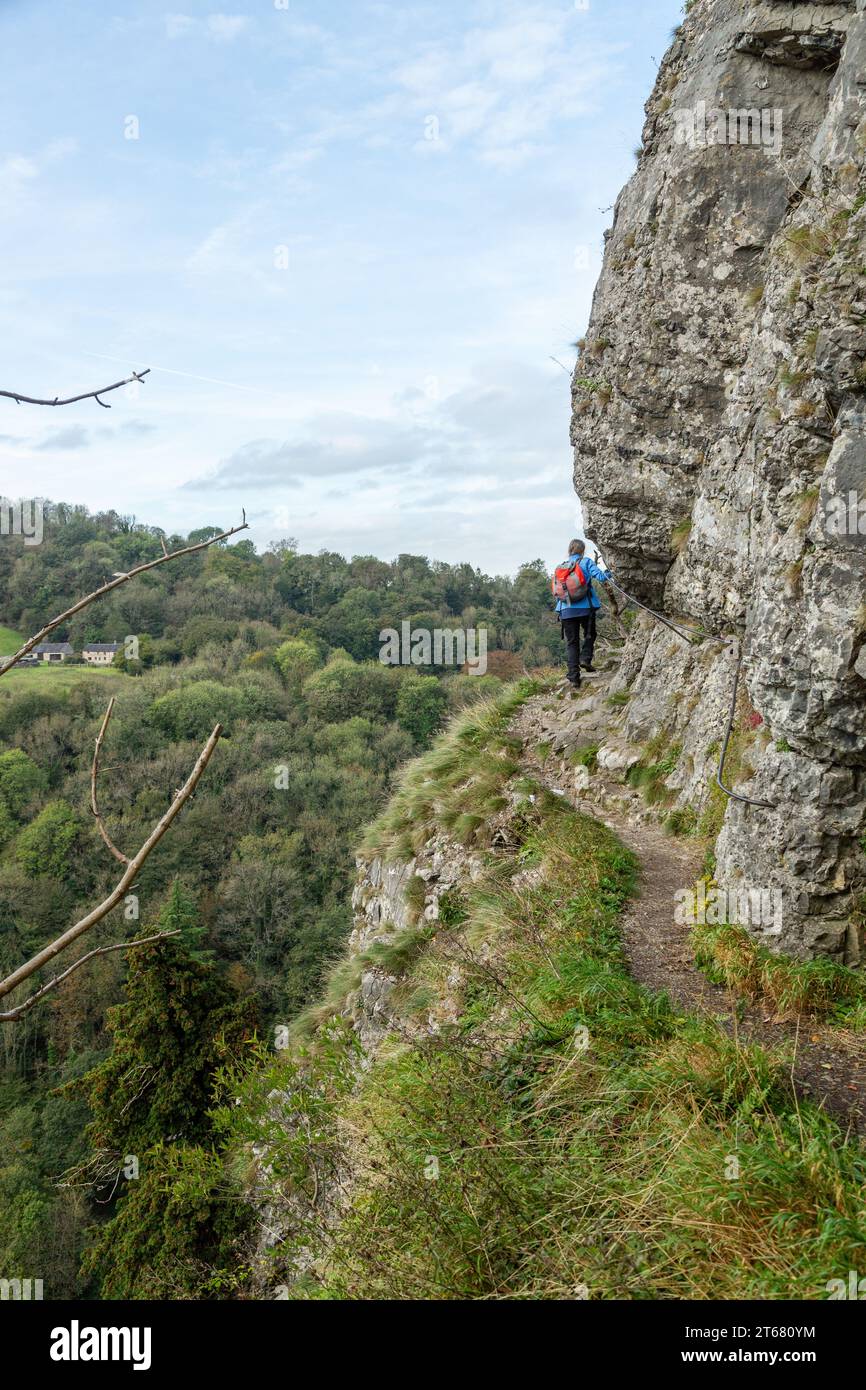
(353, 241)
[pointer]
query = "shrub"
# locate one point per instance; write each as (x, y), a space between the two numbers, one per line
(193, 710)
(345, 688)
(420, 705)
(46, 846)
(296, 659)
(20, 780)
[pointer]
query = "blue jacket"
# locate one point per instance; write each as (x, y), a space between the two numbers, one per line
(591, 571)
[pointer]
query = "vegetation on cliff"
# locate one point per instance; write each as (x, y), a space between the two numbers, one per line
(281, 649)
(568, 1134)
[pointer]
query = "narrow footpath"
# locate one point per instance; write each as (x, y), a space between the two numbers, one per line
(828, 1064)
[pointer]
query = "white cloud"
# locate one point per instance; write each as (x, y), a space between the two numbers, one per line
(176, 25)
(223, 28)
(503, 87)
(239, 249)
(327, 445)
(16, 172)
(402, 270)
(210, 253)
(69, 437)
(498, 89)
(19, 173)
(59, 149)
(507, 426)
(226, 27)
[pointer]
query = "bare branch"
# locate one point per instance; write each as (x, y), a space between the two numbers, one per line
(70, 400)
(107, 588)
(94, 773)
(116, 895)
(28, 1004)
(181, 796)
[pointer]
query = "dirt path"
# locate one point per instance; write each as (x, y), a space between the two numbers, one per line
(828, 1064)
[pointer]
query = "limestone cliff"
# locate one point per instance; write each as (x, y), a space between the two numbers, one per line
(720, 428)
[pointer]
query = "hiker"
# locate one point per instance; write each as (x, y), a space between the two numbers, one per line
(577, 605)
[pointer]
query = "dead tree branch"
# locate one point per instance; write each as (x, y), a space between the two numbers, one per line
(119, 891)
(94, 773)
(181, 797)
(107, 588)
(28, 1004)
(71, 400)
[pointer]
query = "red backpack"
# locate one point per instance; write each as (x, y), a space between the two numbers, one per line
(569, 584)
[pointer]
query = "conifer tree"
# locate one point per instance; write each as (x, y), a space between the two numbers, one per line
(171, 1225)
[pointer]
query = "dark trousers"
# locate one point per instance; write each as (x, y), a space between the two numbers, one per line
(578, 655)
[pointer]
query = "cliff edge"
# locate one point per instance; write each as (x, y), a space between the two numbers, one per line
(719, 428)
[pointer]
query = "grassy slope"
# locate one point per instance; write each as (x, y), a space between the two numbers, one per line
(570, 1135)
(56, 676)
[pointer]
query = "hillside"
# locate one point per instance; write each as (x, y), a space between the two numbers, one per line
(489, 1104)
(281, 649)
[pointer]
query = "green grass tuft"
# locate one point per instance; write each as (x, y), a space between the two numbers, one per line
(729, 956)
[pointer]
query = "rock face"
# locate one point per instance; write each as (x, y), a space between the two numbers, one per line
(720, 433)
(390, 898)
(382, 909)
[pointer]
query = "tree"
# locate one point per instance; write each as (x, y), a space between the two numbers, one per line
(179, 1019)
(175, 1234)
(20, 780)
(46, 846)
(296, 659)
(206, 628)
(345, 688)
(531, 588)
(354, 623)
(311, 583)
(86, 396)
(60, 943)
(193, 709)
(150, 1101)
(180, 918)
(420, 705)
(7, 824)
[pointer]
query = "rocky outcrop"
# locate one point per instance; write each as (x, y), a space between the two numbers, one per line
(392, 901)
(720, 434)
(384, 906)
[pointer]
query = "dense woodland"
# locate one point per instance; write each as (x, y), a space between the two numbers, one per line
(118, 1065)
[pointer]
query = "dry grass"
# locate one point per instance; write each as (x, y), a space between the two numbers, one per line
(790, 988)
